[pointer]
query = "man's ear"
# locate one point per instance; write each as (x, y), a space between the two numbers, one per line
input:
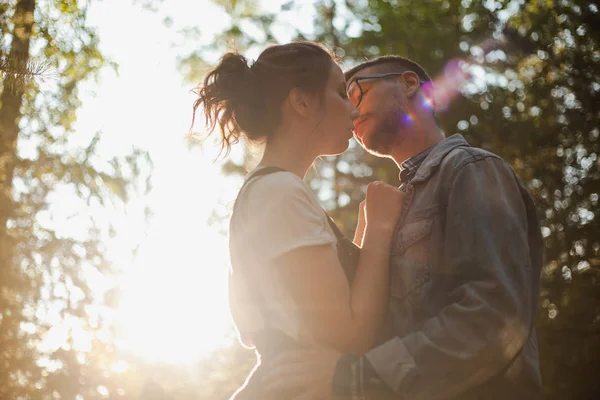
(300, 102)
(411, 83)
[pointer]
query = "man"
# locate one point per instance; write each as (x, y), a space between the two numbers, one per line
(465, 265)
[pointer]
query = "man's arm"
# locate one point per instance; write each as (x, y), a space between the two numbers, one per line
(490, 304)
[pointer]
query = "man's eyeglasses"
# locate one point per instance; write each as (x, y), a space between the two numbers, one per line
(355, 91)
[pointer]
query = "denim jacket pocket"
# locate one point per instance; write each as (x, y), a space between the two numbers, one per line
(411, 233)
(411, 260)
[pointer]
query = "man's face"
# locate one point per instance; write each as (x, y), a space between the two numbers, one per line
(381, 116)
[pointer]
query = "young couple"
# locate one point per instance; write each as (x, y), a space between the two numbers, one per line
(435, 297)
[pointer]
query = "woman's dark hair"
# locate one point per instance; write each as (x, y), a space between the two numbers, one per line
(246, 99)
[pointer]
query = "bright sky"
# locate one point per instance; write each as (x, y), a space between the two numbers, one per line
(174, 304)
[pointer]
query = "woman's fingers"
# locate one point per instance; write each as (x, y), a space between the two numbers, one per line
(383, 205)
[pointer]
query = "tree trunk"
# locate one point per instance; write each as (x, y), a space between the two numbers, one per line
(10, 105)
(10, 114)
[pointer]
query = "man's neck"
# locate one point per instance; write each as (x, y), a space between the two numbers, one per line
(411, 146)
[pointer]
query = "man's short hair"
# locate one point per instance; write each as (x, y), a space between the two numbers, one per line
(390, 64)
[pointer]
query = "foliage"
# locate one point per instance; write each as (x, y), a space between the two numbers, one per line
(56, 337)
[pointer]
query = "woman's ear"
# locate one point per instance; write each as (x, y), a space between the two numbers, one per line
(300, 102)
(411, 83)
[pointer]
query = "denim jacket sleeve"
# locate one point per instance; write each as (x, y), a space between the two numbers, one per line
(489, 306)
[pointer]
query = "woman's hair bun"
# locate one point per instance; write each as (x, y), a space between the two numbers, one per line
(246, 100)
(230, 97)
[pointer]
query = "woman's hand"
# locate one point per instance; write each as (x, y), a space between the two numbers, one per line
(383, 207)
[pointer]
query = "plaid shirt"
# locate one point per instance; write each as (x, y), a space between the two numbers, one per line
(410, 166)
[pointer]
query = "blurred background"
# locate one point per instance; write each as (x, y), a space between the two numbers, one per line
(113, 220)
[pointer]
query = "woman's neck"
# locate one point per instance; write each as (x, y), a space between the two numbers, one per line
(289, 155)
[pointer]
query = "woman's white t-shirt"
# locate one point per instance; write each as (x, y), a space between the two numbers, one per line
(273, 215)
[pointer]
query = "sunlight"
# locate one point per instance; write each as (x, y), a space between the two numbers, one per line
(173, 303)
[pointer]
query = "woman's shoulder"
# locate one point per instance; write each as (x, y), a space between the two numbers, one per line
(277, 206)
(276, 194)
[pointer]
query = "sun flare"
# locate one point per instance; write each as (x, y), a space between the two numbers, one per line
(174, 306)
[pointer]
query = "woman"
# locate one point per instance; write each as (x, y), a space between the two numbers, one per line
(288, 286)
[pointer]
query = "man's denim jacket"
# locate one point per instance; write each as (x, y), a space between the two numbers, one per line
(465, 271)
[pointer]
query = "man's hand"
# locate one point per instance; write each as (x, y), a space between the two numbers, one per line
(300, 374)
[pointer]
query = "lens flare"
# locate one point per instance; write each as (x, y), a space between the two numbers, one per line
(427, 102)
(448, 83)
(472, 69)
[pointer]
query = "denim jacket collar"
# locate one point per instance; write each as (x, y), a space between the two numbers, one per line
(437, 154)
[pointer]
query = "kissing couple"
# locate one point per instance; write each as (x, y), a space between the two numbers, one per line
(435, 296)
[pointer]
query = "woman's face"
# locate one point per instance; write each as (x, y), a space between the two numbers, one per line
(336, 123)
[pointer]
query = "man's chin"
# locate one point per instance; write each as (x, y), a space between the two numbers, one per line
(372, 146)
(363, 138)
